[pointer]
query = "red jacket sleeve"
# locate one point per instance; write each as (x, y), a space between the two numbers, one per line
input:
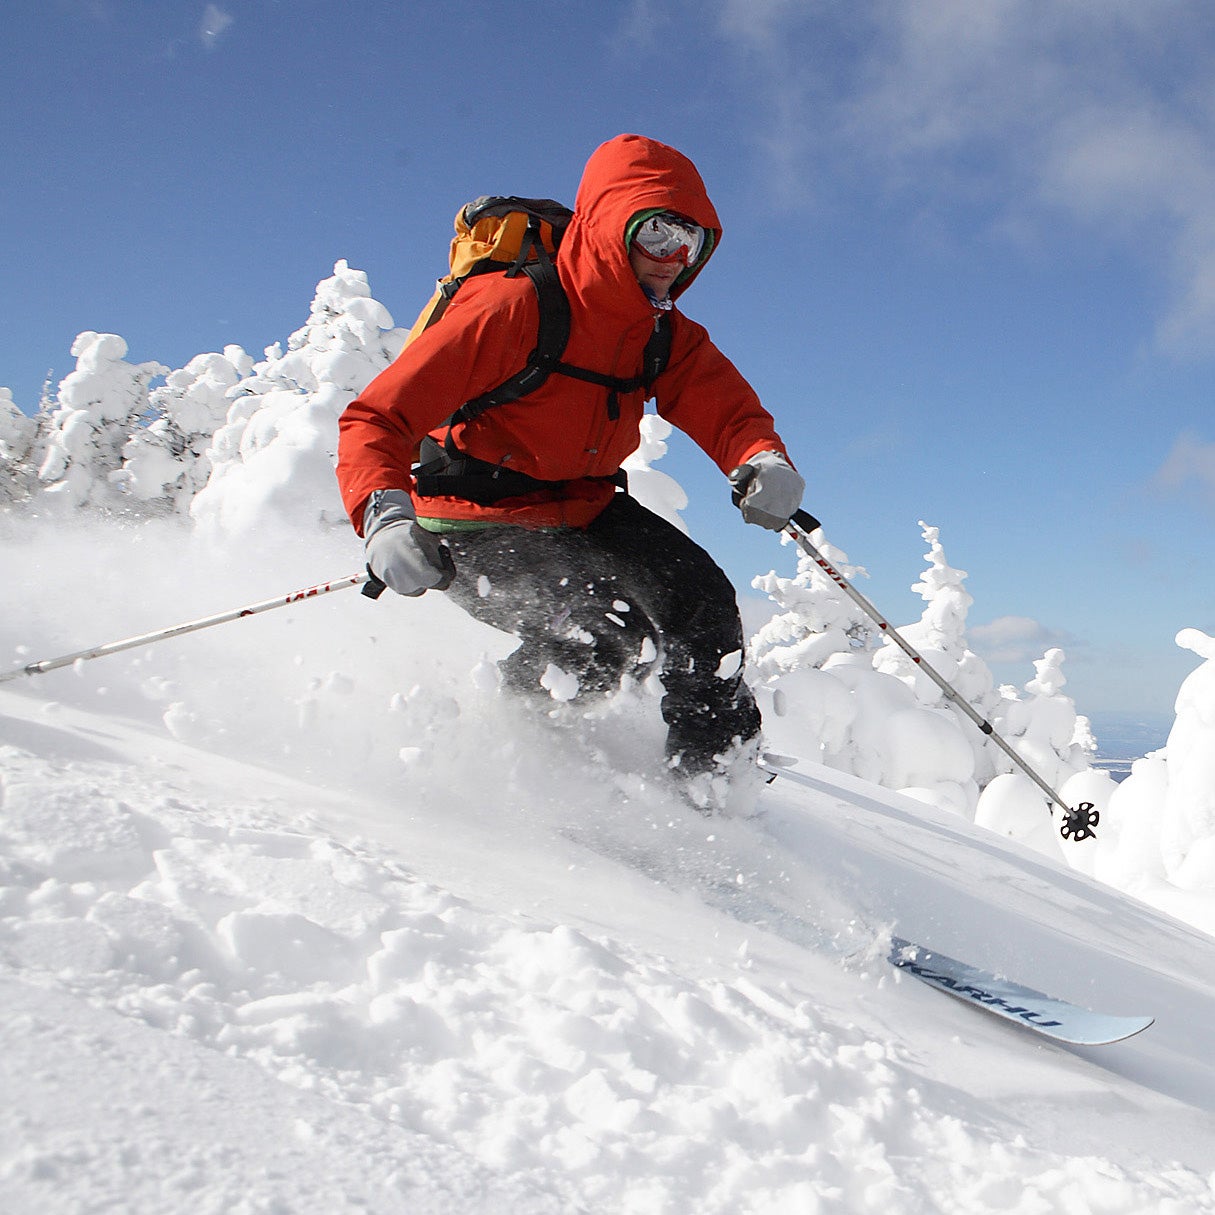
(473, 349)
(705, 396)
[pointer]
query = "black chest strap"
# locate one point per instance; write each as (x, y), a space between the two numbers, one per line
(551, 340)
(448, 471)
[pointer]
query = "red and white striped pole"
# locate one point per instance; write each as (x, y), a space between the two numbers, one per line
(371, 584)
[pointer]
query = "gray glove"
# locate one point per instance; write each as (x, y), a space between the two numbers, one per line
(404, 556)
(768, 490)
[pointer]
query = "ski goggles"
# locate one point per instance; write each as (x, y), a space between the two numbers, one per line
(667, 238)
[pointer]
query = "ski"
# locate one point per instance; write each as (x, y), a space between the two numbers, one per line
(1059, 1020)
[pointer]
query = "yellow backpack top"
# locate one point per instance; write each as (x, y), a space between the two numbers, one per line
(496, 233)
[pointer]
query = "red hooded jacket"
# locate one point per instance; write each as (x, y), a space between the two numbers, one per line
(561, 432)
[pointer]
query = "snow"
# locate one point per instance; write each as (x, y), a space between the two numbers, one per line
(301, 914)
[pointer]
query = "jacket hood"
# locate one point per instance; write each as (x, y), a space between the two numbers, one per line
(624, 178)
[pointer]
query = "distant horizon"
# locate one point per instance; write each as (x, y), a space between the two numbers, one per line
(1123, 735)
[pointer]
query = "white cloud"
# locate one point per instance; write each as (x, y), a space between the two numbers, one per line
(101, 11)
(1190, 461)
(646, 25)
(1014, 639)
(1097, 110)
(215, 22)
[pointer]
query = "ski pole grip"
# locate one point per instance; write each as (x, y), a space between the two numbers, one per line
(740, 478)
(743, 475)
(373, 588)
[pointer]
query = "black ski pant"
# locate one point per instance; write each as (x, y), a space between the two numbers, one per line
(628, 595)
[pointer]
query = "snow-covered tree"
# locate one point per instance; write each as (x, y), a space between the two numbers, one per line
(940, 634)
(166, 461)
(808, 710)
(18, 450)
(655, 490)
(97, 408)
(1189, 824)
(16, 430)
(1157, 833)
(833, 687)
(940, 637)
(1045, 729)
(274, 456)
(818, 619)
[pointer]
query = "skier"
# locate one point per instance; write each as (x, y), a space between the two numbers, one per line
(529, 529)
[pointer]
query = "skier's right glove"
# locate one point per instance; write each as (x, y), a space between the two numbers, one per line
(768, 490)
(400, 553)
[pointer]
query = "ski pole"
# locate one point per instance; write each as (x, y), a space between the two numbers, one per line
(372, 587)
(1078, 822)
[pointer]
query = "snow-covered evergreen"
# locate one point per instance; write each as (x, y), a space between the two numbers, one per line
(98, 408)
(273, 458)
(861, 704)
(167, 461)
(18, 453)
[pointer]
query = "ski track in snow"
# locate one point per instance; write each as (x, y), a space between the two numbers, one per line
(229, 991)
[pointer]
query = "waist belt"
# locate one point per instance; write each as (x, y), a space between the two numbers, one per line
(439, 474)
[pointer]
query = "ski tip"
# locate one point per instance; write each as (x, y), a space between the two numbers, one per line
(773, 759)
(1027, 1007)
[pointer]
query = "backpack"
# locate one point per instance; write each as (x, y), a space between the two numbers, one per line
(511, 235)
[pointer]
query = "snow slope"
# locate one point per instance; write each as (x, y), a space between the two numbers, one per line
(229, 990)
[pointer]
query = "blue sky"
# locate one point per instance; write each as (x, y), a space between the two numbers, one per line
(969, 254)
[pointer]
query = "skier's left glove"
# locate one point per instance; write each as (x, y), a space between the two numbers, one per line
(768, 490)
(400, 552)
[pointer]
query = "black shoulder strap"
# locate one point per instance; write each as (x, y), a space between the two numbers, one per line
(552, 337)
